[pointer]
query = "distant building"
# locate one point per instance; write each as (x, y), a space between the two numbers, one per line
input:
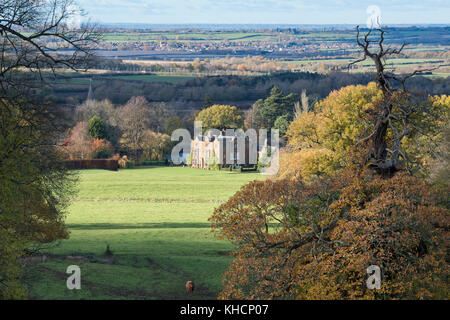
(212, 150)
(90, 96)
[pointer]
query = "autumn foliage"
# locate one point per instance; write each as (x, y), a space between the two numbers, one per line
(315, 241)
(34, 188)
(337, 207)
(221, 117)
(321, 141)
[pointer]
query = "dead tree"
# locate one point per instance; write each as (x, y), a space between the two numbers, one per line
(385, 154)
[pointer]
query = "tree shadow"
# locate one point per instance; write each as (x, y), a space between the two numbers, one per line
(163, 225)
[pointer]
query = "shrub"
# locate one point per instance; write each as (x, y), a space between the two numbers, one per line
(282, 124)
(125, 163)
(264, 160)
(102, 149)
(105, 164)
(213, 162)
(189, 160)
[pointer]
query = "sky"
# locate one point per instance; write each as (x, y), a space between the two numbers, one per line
(265, 11)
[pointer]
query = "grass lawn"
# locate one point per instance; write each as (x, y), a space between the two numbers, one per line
(155, 221)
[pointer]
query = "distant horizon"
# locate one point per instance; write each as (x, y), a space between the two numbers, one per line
(260, 25)
(319, 12)
(287, 24)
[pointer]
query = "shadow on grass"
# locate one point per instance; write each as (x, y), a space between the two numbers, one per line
(138, 167)
(164, 225)
(46, 276)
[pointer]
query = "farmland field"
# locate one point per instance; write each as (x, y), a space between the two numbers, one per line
(155, 221)
(180, 36)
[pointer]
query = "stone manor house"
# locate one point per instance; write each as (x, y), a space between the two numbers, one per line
(210, 150)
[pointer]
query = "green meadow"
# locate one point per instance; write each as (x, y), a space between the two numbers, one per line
(211, 36)
(155, 222)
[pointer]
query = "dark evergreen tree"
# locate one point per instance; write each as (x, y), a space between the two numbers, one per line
(277, 105)
(97, 128)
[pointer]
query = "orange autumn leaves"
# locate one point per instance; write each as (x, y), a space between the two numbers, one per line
(315, 241)
(312, 232)
(324, 140)
(320, 140)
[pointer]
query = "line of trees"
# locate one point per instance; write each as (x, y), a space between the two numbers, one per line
(138, 129)
(186, 96)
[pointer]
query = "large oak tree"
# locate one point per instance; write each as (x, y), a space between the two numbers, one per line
(363, 204)
(34, 185)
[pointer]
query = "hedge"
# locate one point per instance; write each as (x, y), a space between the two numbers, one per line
(154, 163)
(112, 165)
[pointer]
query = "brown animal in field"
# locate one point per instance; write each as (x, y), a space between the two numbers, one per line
(190, 286)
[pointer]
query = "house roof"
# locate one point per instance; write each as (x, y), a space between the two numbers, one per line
(219, 137)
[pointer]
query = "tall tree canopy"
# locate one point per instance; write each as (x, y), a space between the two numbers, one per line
(254, 119)
(97, 128)
(134, 122)
(34, 186)
(173, 123)
(221, 117)
(277, 105)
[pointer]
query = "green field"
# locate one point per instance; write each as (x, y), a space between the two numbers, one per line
(323, 36)
(155, 221)
(367, 65)
(122, 37)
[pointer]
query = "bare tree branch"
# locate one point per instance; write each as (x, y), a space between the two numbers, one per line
(392, 120)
